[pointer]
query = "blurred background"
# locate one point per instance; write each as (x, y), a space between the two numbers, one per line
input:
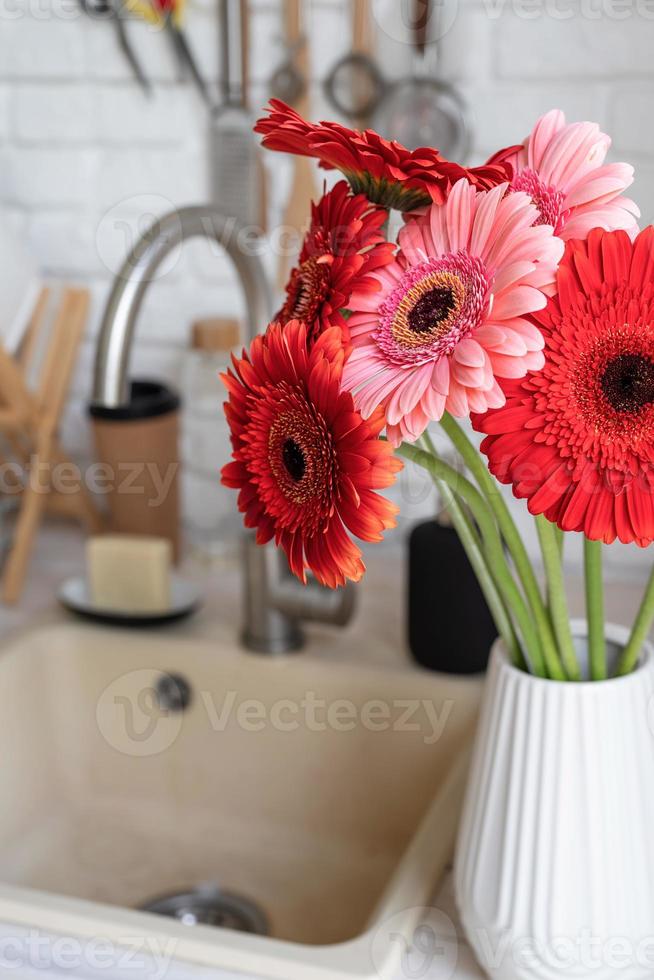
(89, 158)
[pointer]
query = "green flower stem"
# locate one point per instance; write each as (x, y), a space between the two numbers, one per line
(493, 550)
(644, 619)
(560, 539)
(549, 547)
(469, 539)
(511, 535)
(595, 609)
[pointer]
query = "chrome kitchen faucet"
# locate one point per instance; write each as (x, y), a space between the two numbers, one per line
(274, 601)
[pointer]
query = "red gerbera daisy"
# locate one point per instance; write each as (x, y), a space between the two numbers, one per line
(305, 462)
(344, 244)
(577, 438)
(385, 171)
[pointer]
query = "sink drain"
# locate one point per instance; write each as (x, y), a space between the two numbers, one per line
(208, 905)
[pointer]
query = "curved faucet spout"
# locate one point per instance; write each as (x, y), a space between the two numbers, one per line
(137, 273)
(273, 607)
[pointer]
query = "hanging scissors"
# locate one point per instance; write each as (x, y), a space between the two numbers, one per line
(113, 11)
(171, 13)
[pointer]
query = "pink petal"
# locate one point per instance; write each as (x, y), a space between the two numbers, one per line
(530, 334)
(600, 185)
(468, 351)
(489, 335)
(407, 393)
(440, 377)
(470, 377)
(495, 398)
(460, 208)
(433, 404)
(412, 242)
(457, 401)
(512, 344)
(477, 401)
(485, 219)
(521, 299)
(542, 134)
(505, 366)
(575, 149)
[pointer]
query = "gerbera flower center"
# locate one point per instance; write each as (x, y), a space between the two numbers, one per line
(299, 454)
(306, 291)
(611, 377)
(294, 459)
(548, 200)
(432, 307)
(435, 305)
(628, 382)
(428, 309)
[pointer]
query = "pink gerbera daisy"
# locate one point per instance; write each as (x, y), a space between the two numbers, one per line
(561, 166)
(449, 316)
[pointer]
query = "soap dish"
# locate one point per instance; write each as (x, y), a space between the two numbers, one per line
(74, 595)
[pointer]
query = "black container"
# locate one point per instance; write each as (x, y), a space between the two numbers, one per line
(450, 626)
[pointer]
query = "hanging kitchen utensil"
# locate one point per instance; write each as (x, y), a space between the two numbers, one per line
(287, 83)
(355, 85)
(303, 183)
(115, 12)
(187, 61)
(424, 110)
(236, 174)
(171, 13)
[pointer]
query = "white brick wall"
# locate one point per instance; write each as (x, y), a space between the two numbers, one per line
(82, 150)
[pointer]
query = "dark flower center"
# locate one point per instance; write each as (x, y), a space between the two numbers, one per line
(628, 382)
(306, 291)
(430, 309)
(294, 460)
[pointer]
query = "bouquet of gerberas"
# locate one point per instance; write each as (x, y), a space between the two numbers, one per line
(519, 294)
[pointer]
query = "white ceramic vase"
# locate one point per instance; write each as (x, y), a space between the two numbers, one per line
(555, 859)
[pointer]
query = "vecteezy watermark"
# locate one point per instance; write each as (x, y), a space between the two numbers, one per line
(34, 951)
(132, 720)
(314, 714)
(66, 477)
(592, 10)
(72, 10)
(144, 219)
(416, 944)
(132, 220)
(397, 19)
(584, 952)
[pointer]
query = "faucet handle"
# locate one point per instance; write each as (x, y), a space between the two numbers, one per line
(275, 602)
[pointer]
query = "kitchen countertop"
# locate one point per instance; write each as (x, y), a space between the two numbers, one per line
(60, 554)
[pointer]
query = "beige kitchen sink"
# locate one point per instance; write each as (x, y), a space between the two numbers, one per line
(325, 793)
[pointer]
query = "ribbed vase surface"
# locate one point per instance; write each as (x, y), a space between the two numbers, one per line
(555, 859)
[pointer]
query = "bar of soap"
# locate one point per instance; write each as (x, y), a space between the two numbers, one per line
(129, 573)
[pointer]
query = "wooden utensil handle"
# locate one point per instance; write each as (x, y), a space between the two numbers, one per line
(293, 21)
(361, 27)
(297, 42)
